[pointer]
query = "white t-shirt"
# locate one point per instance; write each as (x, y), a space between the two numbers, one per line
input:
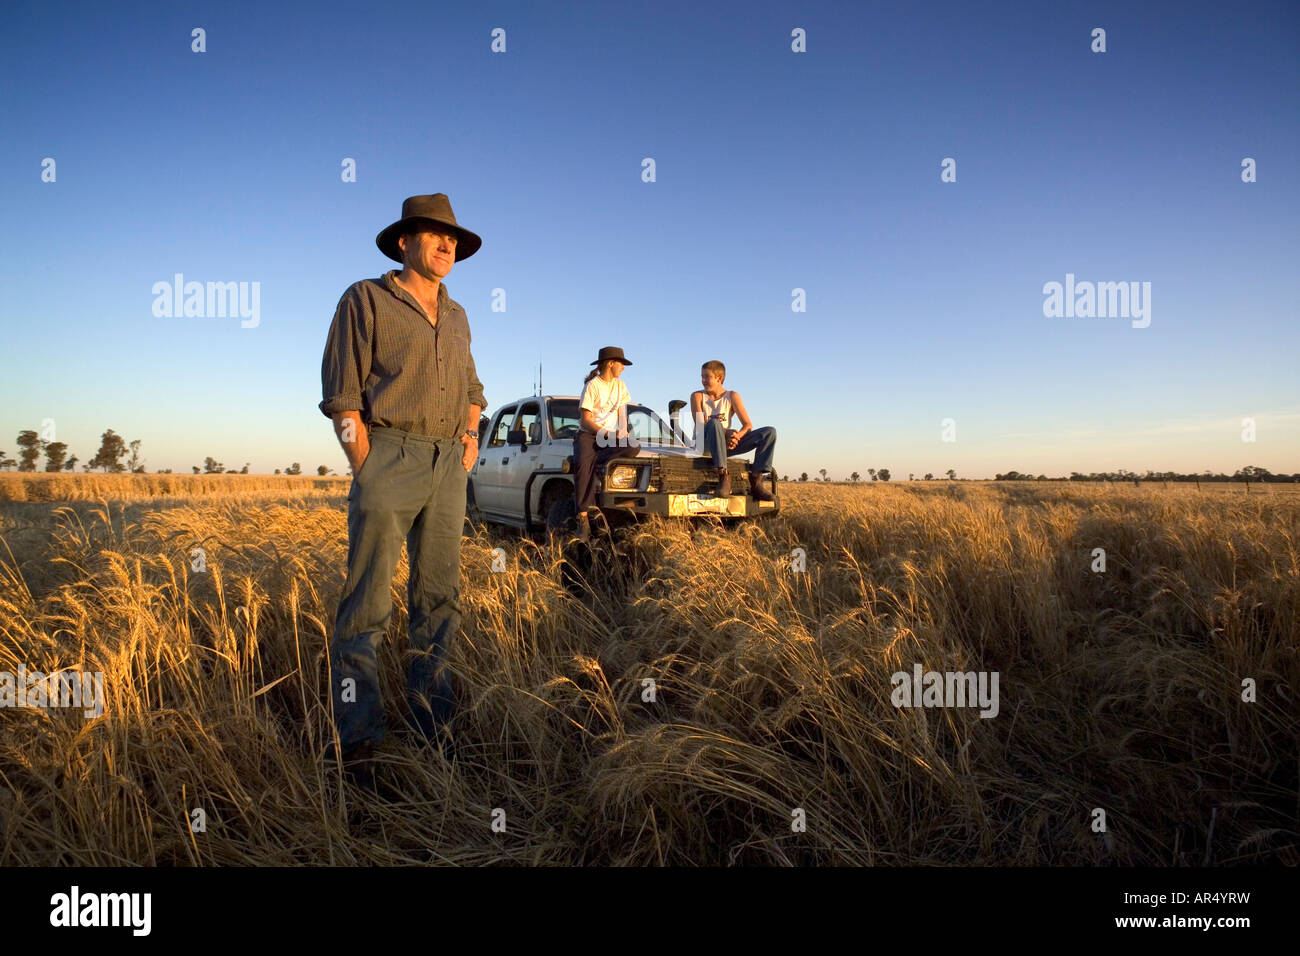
(603, 401)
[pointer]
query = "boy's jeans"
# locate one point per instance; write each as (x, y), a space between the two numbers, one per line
(762, 441)
(412, 487)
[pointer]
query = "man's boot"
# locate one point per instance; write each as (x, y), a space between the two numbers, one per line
(724, 482)
(756, 489)
(359, 765)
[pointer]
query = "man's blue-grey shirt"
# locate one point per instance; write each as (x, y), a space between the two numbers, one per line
(385, 359)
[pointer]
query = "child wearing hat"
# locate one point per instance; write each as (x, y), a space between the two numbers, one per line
(602, 429)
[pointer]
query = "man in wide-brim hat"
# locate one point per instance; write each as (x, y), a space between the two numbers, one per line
(400, 385)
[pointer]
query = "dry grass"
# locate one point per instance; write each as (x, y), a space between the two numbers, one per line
(62, 487)
(1119, 690)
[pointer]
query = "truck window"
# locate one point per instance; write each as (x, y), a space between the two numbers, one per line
(502, 426)
(530, 422)
(564, 418)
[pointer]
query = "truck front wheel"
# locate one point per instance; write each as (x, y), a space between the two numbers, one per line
(561, 512)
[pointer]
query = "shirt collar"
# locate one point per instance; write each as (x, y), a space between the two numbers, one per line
(390, 282)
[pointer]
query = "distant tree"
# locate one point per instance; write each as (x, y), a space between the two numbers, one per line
(277, 471)
(872, 473)
(55, 454)
(952, 475)
(29, 444)
(803, 476)
(884, 474)
(322, 470)
(294, 469)
(854, 477)
(135, 464)
(911, 476)
(196, 469)
(1252, 473)
(6, 463)
(163, 471)
(929, 476)
(822, 472)
(71, 463)
(212, 467)
(244, 470)
(111, 449)
(785, 477)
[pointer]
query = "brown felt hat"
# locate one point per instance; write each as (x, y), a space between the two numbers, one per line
(418, 212)
(610, 352)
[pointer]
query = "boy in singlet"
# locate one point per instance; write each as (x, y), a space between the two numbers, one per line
(712, 408)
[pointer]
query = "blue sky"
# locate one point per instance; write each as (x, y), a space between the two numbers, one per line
(775, 170)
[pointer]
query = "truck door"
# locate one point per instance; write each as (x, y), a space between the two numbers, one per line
(487, 472)
(522, 462)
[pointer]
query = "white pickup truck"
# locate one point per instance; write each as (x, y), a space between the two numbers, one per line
(524, 473)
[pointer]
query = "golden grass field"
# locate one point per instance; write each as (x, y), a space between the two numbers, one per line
(1120, 690)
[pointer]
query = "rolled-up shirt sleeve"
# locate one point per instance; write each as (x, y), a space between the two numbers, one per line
(346, 363)
(475, 391)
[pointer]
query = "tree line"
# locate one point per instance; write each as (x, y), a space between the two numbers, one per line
(1247, 474)
(112, 449)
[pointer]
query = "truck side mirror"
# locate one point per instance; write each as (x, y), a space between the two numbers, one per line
(517, 437)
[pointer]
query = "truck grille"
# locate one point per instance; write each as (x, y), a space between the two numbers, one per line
(696, 475)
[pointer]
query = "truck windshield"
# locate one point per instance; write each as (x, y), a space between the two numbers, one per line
(647, 427)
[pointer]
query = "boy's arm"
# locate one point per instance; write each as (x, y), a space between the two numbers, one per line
(747, 426)
(697, 409)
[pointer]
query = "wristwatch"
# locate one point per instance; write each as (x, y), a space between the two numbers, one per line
(471, 432)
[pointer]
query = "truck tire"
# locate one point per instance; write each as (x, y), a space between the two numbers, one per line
(561, 515)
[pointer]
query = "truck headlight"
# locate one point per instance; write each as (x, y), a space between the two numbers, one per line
(623, 478)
